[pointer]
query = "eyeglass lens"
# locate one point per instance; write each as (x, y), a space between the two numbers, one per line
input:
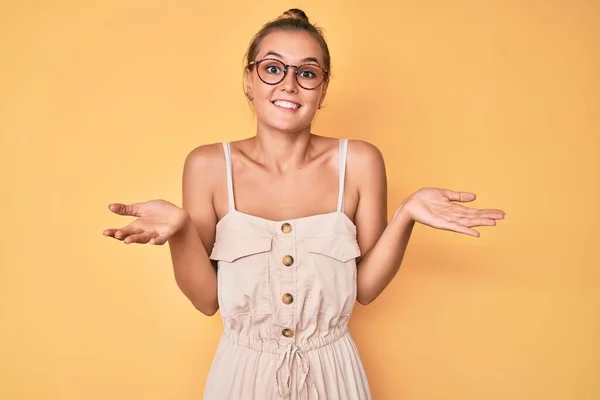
(308, 76)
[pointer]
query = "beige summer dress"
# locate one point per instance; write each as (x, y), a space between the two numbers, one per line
(286, 290)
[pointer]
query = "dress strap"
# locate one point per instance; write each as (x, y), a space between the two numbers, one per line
(342, 172)
(230, 199)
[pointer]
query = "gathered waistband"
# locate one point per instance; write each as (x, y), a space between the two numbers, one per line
(273, 346)
(289, 353)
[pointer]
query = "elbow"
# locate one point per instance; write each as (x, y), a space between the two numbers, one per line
(366, 296)
(365, 301)
(209, 313)
(208, 310)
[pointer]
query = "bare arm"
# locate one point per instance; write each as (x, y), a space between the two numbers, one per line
(194, 272)
(382, 245)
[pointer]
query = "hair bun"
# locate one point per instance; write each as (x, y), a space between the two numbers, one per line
(294, 13)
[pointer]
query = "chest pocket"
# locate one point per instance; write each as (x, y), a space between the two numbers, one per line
(243, 275)
(333, 258)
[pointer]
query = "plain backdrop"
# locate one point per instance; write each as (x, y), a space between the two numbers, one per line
(101, 101)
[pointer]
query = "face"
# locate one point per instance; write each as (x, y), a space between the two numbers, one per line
(286, 106)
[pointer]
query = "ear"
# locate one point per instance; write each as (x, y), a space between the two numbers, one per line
(248, 82)
(323, 92)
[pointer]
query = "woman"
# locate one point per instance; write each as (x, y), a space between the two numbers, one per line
(296, 224)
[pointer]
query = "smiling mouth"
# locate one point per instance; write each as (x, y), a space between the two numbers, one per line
(286, 105)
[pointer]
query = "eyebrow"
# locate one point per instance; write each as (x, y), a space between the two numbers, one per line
(308, 59)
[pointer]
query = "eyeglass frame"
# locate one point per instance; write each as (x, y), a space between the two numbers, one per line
(285, 71)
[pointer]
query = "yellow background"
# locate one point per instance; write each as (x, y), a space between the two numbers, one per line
(100, 101)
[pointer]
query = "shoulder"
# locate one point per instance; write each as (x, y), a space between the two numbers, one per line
(359, 151)
(364, 158)
(204, 166)
(205, 156)
(366, 168)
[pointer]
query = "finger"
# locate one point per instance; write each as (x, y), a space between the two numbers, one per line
(159, 240)
(483, 213)
(140, 237)
(476, 222)
(466, 230)
(473, 212)
(491, 214)
(459, 196)
(456, 227)
(124, 232)
(125, 209)
(116, 233)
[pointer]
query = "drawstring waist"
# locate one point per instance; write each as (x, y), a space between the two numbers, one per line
(288, 355)
(283, 381)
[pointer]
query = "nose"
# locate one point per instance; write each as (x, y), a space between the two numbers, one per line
(289, 83)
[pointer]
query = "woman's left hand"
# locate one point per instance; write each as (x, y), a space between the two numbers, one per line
(434, 207)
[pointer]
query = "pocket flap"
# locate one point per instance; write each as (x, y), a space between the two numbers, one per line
(233, 248)
(340, 247)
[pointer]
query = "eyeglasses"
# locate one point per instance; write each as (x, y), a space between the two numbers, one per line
(272, 72)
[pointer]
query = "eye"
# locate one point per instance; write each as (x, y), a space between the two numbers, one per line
(309, 72)
(273, 69)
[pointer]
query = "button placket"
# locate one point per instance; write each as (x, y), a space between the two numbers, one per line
(287, 286)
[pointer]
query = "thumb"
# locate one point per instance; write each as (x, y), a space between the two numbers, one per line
(459, 196)
(125, 209)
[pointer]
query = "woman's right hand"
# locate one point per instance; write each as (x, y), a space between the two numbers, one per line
(157, 221)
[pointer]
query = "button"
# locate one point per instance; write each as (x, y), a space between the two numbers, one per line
(288, 261)
(287, 298)
(286, 228)
(287, 333)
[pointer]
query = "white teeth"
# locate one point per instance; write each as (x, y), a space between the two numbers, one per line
(286, 104)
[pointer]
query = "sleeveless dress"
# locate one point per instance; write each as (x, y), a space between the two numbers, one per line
(286, 290)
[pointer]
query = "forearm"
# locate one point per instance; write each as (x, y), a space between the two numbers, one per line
(378, 267)
(194, 272)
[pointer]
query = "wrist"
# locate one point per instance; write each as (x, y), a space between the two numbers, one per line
(402, 213)
(186, 224)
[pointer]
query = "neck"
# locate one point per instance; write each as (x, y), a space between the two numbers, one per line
(281, 151)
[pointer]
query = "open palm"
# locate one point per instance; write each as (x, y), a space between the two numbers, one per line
(157, 221)
(434, 207)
